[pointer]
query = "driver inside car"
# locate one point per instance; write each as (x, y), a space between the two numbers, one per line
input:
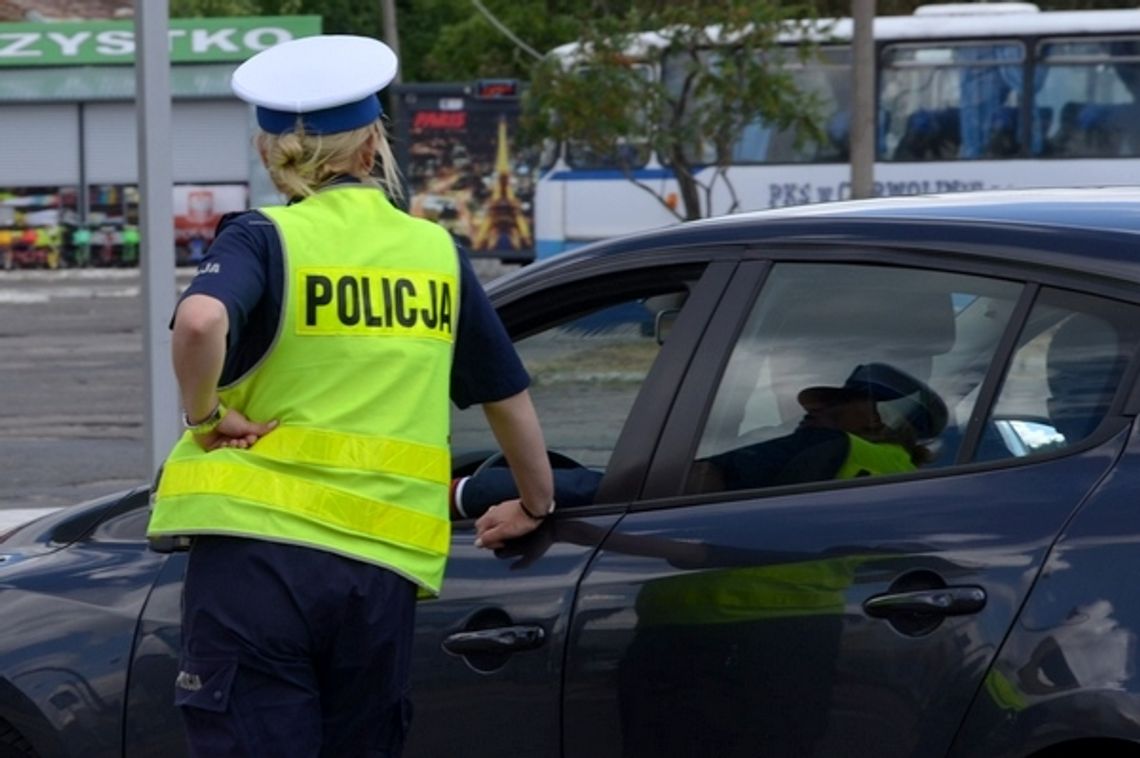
(874, 424)
(472, 495)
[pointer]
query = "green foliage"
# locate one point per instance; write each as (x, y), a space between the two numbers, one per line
(339, 16)
(470, 47)
(723, 70)
(200, 8)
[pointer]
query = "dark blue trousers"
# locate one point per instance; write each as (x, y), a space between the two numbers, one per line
(290, 651)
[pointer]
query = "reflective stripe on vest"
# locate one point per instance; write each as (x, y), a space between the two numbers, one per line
(873, 458)
(336, 508)
(300, 445)
(358, 378)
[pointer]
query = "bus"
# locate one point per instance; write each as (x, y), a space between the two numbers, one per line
(968, 97)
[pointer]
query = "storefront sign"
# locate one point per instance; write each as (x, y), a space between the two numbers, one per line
(192, 40)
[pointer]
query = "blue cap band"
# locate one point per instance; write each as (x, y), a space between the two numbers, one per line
(341, 118)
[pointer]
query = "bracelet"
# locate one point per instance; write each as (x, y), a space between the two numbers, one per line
(533, 517)
(208, 424)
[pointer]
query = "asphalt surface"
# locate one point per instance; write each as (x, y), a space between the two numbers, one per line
(73, 385)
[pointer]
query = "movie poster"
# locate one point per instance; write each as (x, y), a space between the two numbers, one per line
(466, 171)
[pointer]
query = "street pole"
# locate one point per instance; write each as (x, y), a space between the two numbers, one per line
(391, 33)
(392, 40)
(862, 99)
(156, 222)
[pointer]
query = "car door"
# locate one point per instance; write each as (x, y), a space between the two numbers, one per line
(605, 346)
(828, 616)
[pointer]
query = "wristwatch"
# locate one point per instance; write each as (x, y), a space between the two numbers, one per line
(534, 516)
(208, 424)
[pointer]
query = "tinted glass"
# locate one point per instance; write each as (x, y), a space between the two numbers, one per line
(890, 357)
(1064, 375)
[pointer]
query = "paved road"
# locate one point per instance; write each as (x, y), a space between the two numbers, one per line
(72, 385)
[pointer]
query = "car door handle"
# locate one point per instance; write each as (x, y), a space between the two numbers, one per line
(498, 640)
(944, 601)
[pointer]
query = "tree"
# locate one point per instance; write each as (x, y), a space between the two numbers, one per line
(722, 70)
(196, 8)
(337, 16)
(460, 44)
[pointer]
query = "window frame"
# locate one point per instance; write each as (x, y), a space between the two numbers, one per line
(594, 284)
(681, 435)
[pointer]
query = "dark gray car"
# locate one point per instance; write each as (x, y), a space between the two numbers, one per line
(978, 602)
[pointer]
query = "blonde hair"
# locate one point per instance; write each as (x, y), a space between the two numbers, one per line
(300, 163)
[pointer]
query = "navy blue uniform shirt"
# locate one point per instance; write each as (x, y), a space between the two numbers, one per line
(244, 269)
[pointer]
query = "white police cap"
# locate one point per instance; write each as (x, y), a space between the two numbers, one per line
(328, 81)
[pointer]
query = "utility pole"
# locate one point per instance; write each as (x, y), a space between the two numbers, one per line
(862, 98)
(156, 216)
(391, 33)
(392, 40)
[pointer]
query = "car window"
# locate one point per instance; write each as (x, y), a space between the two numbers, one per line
(585, 373)
(1065, 371)
(846, 370)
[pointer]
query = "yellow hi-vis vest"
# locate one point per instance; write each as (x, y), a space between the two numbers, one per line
(873, 459)
(358, 377)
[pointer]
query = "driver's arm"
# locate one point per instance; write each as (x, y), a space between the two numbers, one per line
(515, 425)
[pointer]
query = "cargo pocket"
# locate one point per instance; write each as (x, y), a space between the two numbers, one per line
(204, 683)
(400, 729)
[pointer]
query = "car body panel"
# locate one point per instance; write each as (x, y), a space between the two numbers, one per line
(835, 681)
(152, 724)
(724, 623)
(1073, 650)
(540, 586)
(69, 619)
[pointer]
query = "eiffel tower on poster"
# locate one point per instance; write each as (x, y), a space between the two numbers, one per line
(505, 225)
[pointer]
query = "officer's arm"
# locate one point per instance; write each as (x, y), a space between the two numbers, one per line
(198, 345)
(516, 428)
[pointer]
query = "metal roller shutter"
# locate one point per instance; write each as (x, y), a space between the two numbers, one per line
(39, 145)
(110, 143)
(210, 141)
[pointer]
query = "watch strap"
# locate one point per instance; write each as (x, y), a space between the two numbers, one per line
(536, 516)
(208, 424)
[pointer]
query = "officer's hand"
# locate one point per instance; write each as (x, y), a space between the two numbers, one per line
(235, 430)
(503, 522)
(530, 547)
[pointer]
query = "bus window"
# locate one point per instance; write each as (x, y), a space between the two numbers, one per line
(826, 80)
(629, 153)
(951, 101)
(1093, 87)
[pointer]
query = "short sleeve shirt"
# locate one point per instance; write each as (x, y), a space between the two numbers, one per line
(244, 269)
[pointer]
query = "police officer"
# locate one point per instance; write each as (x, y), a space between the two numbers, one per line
(315, 352)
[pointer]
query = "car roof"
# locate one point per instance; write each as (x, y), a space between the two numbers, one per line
(1094, 231)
